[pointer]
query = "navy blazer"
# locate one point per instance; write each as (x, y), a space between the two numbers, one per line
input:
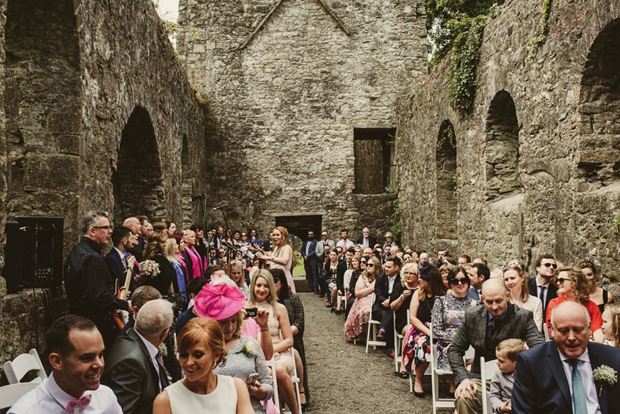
(472, 293)
(115, 265)
(312, 255)
(541, 386)
(381, 289)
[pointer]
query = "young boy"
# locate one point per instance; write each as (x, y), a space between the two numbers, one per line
(501, 385)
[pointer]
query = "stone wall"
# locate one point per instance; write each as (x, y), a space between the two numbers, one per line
(99, 115)
(288, 84)
(537, 161)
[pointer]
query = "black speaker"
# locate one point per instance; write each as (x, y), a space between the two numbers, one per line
(13, 269)
(42, 238)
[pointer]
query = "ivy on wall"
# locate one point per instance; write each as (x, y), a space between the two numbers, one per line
(541, 38)
(394, 220)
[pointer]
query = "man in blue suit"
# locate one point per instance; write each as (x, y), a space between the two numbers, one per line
(478, 274)
(557, 377)
(308, 251)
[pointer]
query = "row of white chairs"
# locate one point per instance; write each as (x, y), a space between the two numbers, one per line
(15, 371)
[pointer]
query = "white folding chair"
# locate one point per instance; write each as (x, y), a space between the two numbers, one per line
(398, 342)
(271, 364)
(487, 370)
(10, 394)
(373, 326)
(435, 373)
(16, 370)
(294, 378)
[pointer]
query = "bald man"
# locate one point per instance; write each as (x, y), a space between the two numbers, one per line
(498, 319)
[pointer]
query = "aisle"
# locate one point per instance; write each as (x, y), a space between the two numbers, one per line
(343, 379)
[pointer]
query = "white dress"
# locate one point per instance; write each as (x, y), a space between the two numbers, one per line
(222, 400)
(534, 305)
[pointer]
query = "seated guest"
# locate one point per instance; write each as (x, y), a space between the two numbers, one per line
(74, 348)
(611, 324)
(331, 269)
(357, 321)
(139, 297)
(381, 308)
(502, 382)
(598, 295)
(560, 376)
(447, 315)
(133, 370)
(254, 240)
(417, 351)
(349, 281)
(516, 282)
(237, 276)
(499, 320)
(573, 286)
(478, 274)
(201, 350)
(400, 301)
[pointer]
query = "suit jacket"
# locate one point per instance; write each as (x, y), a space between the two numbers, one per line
(371, 241)
(472, 293)
(115, 265)
(518, 323)
(342, 268)
(541, 386)
(131, 374)
(319, 247)
(552, 292)
(382, 286)
(313, 243)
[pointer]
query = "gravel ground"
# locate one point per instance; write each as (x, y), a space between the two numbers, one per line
(343, 379)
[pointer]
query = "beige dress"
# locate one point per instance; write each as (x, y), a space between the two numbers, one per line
(274, 330)
(287, 267)
(223, 399)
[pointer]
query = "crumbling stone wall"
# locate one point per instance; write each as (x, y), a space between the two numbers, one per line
(287, 87)
(551, 127)
(98, 109)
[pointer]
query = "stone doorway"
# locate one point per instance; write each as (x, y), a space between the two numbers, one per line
(298, 226)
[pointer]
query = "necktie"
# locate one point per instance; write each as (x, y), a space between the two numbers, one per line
(579, 395)
(542, 299)
(495, 324)
(163, 377)
(81, 402)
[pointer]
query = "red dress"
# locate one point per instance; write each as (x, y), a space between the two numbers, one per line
(596, 319)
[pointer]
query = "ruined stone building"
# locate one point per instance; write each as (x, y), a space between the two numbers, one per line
(308, 113)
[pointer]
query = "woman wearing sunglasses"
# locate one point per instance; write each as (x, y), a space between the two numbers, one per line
(357, 320)
(447, 315)
(516, 282)
(573, 285)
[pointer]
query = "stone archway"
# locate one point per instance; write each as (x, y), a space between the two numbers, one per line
(501, 152)
(137, 178)
(599, 155)
(446, 179)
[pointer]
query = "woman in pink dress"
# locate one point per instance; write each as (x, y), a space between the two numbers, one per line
(360, 311)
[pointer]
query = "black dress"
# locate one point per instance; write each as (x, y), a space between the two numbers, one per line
(295, 309)
(166, 275)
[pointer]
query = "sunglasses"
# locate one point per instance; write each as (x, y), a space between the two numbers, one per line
(550, 265)
(459, 281)
(561, 280)
(370, 265)
(363, 262)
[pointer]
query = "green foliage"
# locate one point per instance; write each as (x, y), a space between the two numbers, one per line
(19, 161)
(171, 27)
(541, 38)
(394, 219)
(195, 35)
(446, 137)
(616, 224)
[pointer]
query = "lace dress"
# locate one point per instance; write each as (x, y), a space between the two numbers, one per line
(359, 314)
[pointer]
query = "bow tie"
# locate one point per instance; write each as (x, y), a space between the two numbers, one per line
(81, 402)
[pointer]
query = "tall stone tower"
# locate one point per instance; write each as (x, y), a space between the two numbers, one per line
(302, 97)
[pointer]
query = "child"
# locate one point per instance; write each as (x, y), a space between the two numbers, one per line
(501, 385)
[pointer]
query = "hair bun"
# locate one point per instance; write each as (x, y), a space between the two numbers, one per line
(426, 269)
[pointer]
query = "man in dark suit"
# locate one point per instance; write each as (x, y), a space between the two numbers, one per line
(483, 328)
(134, 369)
(541, 285)
(116, 258)
(343, 266)
(366, 240)
(557, 377)
(311, 261)
(381, 310)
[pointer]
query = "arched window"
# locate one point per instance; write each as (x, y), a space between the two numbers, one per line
(446, 196)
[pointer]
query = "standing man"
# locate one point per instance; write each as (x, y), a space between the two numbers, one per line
(325, 241)
(88, 282)
(483, 328)
(381, 310)
(74, 349)
(136, 228)
(344, 240)
(366, 240)
(116, 259)
(541, 285)
(389, 239)
(308, 251)
(557, 377)
(134, 369)
(478, 274)
(146, 230)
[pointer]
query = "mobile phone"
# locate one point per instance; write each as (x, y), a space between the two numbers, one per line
(251, 312)
(252, 378)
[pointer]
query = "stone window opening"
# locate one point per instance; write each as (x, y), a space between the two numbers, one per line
(375, 167)
(599, 107)
(501, 152)
(446, 183)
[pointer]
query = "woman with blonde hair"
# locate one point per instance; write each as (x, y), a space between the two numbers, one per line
(357, 321)
(172, 249)
(573, 285)
(263, 295)
(516, 282)
(283, 255)
(201, 348)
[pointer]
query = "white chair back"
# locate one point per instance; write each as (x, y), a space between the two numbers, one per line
(16, 370)
(487, 371)
(10, 394)
(373, 327)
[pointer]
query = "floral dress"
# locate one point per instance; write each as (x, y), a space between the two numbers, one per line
(359, 314)
(417, 343)
(447, 315)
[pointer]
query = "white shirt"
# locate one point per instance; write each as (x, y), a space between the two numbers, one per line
(391, 284)
(153, 351)
(585, 369)
(48, 398)
(348, 243)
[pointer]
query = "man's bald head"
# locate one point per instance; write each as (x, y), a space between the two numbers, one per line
(495, 296)
(134, 224)
(495, 286)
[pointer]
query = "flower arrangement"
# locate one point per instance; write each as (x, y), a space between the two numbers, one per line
(149, 269)
(605, 375)
(248, 349)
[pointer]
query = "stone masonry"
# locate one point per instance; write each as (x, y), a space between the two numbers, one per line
(536, 164)
(291, 84)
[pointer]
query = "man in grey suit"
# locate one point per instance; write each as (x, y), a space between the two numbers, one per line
(325, 241)
(484, 327)
(134, 369)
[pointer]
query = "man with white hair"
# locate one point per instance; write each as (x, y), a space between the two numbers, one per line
(134, 369)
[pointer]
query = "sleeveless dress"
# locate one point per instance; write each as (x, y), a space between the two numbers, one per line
(223, 399)
(274, 331)
(359, 314)
(287, 268)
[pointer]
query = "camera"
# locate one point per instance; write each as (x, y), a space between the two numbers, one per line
(251, 312)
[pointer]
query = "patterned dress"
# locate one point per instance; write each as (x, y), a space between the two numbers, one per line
(447, 315)
(359, 314)
(418, 344)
